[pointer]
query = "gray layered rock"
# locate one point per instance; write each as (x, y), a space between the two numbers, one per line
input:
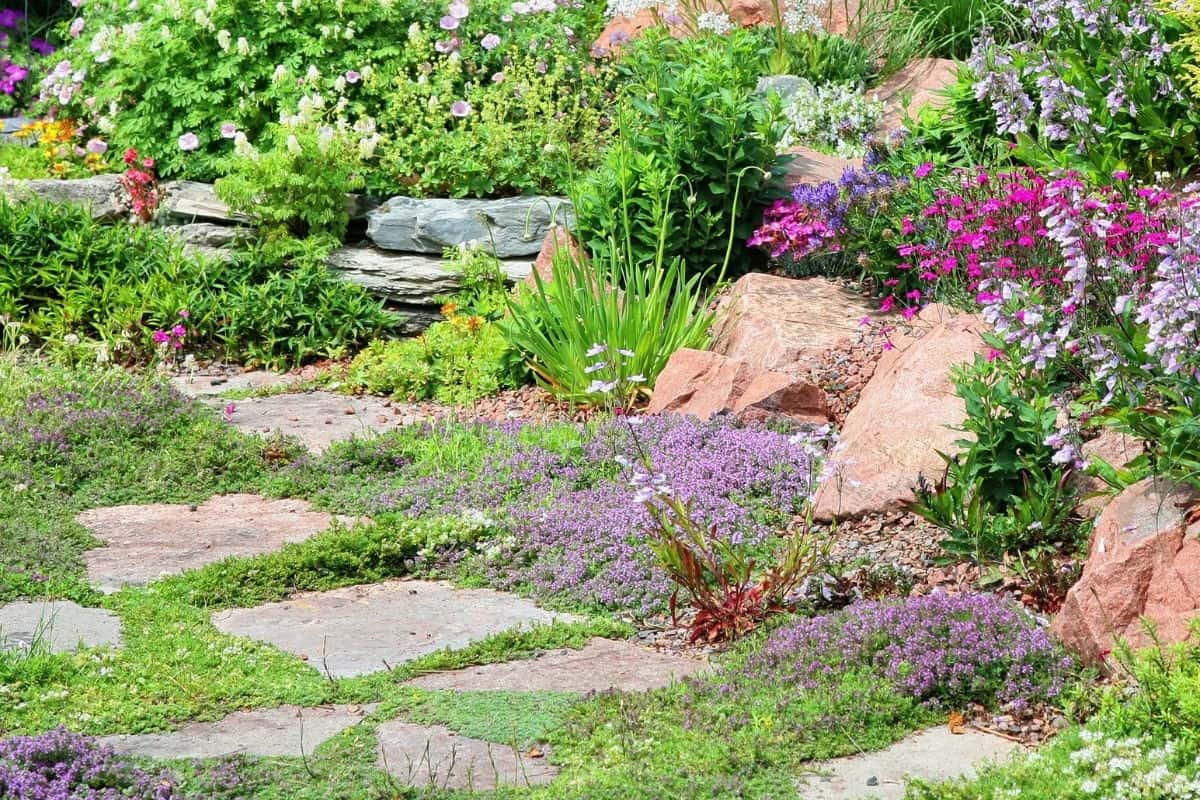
(514, 226)
(10, 125)
(101, 194)
(209, 234)
(410, 279)
(60, 626)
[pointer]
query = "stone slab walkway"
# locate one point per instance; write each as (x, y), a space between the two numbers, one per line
(934, 754)
(437, 757)
(210, 386)
(362, 629)
(603, 664)
(282, 731)
(59, 625)
(318, 419)
(142, 543)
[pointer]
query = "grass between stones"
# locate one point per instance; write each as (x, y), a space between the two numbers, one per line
(76, 438)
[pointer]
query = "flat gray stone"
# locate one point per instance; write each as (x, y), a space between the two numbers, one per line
(512, 226)
(102, 195)
(218, 385)
(935, 754)
(603, 664)
(437, 757)
(283, 731)
(362, 629)
(10, 125)
(145, 542)
(209, 234)
(318, 419)
(407, 278)
(59, 625)
(786, 86)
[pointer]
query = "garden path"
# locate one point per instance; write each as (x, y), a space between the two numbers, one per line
(359, 630)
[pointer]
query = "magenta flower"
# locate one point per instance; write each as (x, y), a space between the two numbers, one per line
(923, 171)
(161, 337)
(352, 76)
(41, 46)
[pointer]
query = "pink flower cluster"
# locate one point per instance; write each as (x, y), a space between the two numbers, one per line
(796, 230)
(175, 337)
(1024, 227)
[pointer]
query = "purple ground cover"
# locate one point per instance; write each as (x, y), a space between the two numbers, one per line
(942, 649)
(60, 765)
(571, 528)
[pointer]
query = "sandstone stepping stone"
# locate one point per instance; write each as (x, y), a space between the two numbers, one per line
(362, 629)
(782, 324)
(436, 757)
(59, 625)
(934, 754)
(206, 386)
(318, 419)
(142, 543)
(603, 664)
(282, 731)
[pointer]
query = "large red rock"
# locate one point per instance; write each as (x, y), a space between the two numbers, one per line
(782, 324)
(1117, 449)
(913, 88)
(702, 384)
(907, 413)
(1144, 563)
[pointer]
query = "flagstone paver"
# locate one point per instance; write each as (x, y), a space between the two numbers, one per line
(317, 418)
(934, 754)
(59, 625)
(142, 543)
(362, 629)
(435, 756)
(603, 664)
(282, 731)
(207, 386)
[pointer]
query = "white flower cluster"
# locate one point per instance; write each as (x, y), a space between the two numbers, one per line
(802, 17)
(1129, 768)
(630, 8)
(834, 117)
(714, 21)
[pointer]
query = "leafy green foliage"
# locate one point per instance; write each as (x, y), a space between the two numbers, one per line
(255, 62)
(458, 360)
(1004, 494)
(695, 158)
(944, 28)
(297, 185)
(62, 273)
(643, 310)
(533, 124)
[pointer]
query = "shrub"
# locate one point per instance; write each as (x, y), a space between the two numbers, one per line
(940, 649)
(63, 274)
(61, 765)
(253, 62)
(695, 158)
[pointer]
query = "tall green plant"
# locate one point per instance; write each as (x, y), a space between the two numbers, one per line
(640, 311)
(691, 125)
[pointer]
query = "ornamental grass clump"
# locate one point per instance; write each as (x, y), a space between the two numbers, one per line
(60, 765)
(942, 650)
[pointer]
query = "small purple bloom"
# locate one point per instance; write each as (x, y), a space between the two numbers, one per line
(460, 108)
